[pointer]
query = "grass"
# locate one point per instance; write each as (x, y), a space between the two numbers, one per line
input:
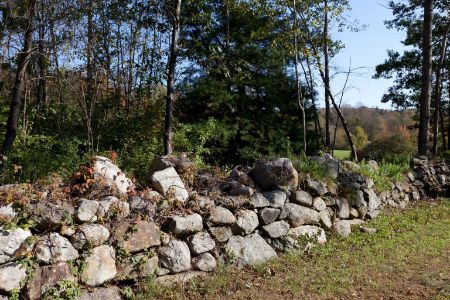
(390, 170)
(341, 154)
(407, 258)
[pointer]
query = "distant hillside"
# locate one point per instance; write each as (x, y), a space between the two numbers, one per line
(374, 122)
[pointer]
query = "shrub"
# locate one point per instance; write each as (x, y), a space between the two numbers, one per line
(393, 144)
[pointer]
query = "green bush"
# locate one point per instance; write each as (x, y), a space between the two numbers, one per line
(396, 144)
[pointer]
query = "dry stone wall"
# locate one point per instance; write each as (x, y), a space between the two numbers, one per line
(87, 238)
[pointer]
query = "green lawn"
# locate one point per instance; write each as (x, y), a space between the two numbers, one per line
(341, 154)
(407, 258)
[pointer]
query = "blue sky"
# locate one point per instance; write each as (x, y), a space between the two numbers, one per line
(366, 49)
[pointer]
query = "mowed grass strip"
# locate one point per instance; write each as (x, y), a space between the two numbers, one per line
(341, 154)
(408, 258)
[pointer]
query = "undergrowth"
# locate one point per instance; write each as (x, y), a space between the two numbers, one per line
(390, 169)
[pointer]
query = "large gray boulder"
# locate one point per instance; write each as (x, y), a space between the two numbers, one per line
(356, 199)
(10, 277)
(101, 265)
(307, 236)
(275, 172)
(113, 207)
(332, 166)
(93, 235)
(182, 226)
(319, 204)
(301, 198)
(49, 215)
(298, 215)
(276, 229)
(200, 243)
(259, 201)
(53, 248)
(175, 256)
(221, 234)
(139, 267)
(268, 215)
(180, 164)
(206, 263)
(247, 221)
(325, 220)
(222, 216)
(249, 250)
(10, 241)
(344, 208)
(86, 210)
(276, 198)
(350, 166)
(112, 175)
(317, 188)
(343, 228)
(141, 235)
(169, 184)
(373, 202)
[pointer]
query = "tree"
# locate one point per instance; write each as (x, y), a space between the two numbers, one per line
(322, 75)
(437, 110)
(425, 99)
(16, 101)
(171, 78)
(327, 79)
(360, 137)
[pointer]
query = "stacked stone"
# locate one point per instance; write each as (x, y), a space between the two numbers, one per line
(245, 219)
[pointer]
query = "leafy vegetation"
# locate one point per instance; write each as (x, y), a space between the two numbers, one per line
(390, 169)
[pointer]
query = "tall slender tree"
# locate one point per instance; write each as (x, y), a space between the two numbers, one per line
(437, 108)
(171, 78)
(327, 79)
(425, 98)
(16, 101)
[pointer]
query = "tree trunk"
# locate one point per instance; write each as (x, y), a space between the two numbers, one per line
(42, 88)
(327, 80)
(424, 123)
(299, 91)
(90, 77)
(171, 81)
(16, 101)
(322, 75)
(437, 108)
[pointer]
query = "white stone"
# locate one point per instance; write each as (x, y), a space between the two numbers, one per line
(101, 265)
(86, 210)
(200, 243)
(112, 175)
(247, 221)
(10, 243)
(249, 250)
(169, 184)
(175, 256)
(206, 263)
(54, 248)
(10, 277)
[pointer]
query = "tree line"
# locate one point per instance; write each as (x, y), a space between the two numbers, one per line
(226, 80)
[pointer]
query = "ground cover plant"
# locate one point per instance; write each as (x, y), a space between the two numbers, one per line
(407, 257)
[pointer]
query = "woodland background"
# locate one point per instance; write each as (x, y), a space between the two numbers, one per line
(246, 75)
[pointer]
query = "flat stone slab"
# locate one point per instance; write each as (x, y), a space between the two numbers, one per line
(142, 234)
(250, 250)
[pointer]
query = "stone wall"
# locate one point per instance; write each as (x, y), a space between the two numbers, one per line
(87, 238)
